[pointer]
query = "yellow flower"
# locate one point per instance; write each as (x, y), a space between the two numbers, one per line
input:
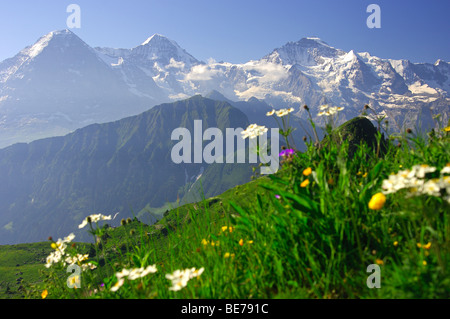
(226, 255)
(419, 245)
(204, 242)
(427, 246)
(241, 242)
(307, 171)
(395, 243)
(224, 228)
(250, 242)
(424, 262)
(44, 294)
(305, 183)
(377, 201)
(365, 175)
(215, 243)
(74, 281)
(447, 129)
(379, 261)
(230, 229)
(53, 245)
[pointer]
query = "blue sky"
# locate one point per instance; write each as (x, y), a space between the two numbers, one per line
(238, 30)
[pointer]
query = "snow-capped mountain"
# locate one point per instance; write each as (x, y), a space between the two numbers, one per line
(60, 83)
(308, 71)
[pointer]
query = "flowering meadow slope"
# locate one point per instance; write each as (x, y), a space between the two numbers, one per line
(316, 229)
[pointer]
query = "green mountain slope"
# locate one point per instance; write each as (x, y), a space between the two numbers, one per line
(48, 186)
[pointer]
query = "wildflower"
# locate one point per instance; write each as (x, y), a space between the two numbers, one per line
(307, 171)
(132, 274)
(283, 112)
(253, 131)
(86, 266)
(365, 175)
(76, 259)
(431, 188)
(180, 278)
(414, 180)
(226, 255)
(277, 196)
(379, 262)
(421, 170)
(53, 245)
(287, 152)
(447, 129)
(377, 201)
(328, 111)
(44, 294)
(74, 281)
(53, 258)
(270, 113)
(94, 219)
(123, 273)
(250, 242)
(305, 183)
(224, 228)
(419, 245)
(69, 238)
(427, 246)
(424, 262)
(445, 170)
(241, 242)
(395, 243)
(117, 285)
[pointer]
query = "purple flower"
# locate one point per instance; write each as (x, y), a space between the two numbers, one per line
(277, 196)
(287, 152)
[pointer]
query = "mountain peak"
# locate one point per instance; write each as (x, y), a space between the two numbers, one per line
(53, 36)
(307, 52)
(162, 49)
(313, 40)
(158, 38)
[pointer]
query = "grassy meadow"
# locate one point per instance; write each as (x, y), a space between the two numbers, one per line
(309, 231)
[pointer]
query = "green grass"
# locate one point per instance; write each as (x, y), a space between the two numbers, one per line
(289, 238)
(20, 261)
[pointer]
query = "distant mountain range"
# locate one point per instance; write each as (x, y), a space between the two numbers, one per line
(50, 185)
(60, 83)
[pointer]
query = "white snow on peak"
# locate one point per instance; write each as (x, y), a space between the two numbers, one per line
(159, 37)
(42, 43)
(319, 40)
(350, 56)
